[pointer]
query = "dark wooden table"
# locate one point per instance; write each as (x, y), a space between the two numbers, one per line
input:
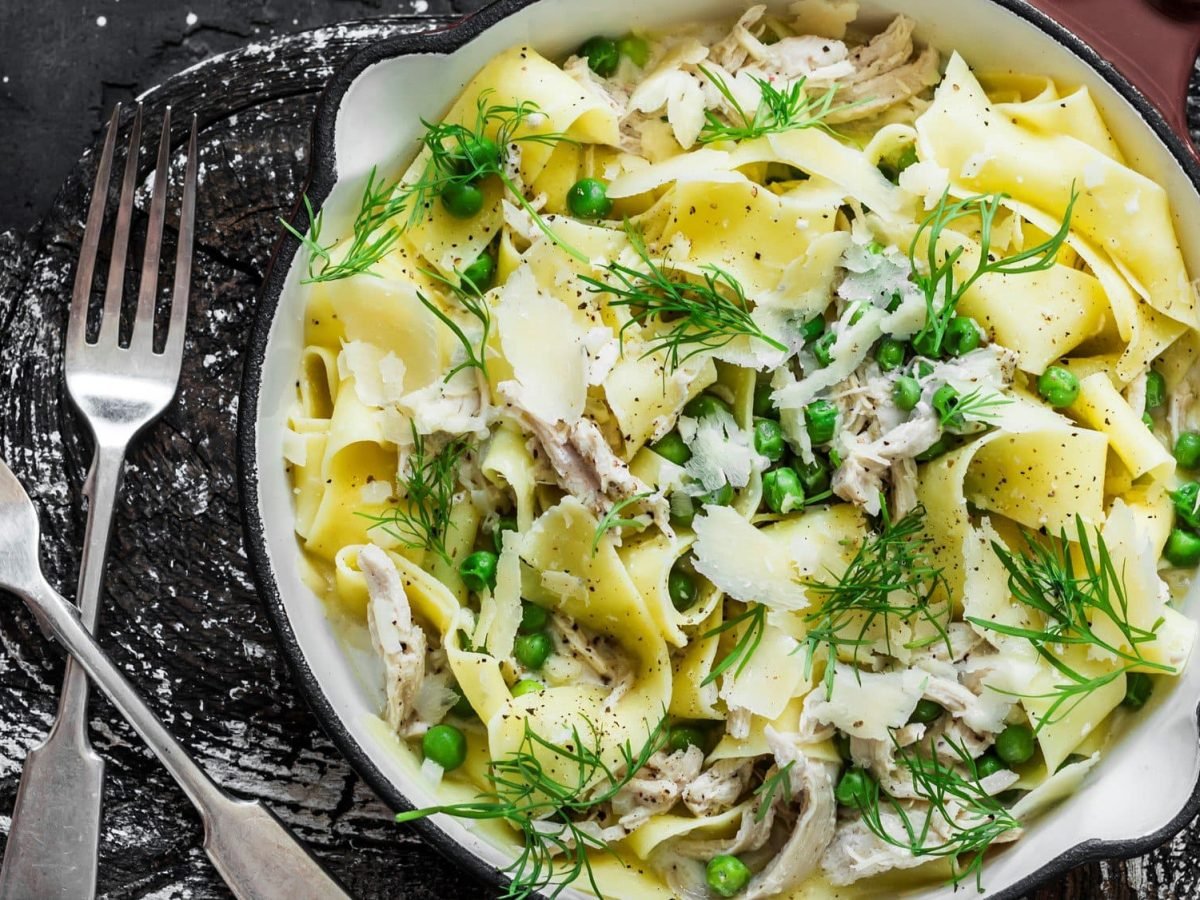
(181, 616)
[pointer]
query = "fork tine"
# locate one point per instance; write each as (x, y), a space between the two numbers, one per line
(183, 257)
(143, 325)
(81, 295)
(110, 324)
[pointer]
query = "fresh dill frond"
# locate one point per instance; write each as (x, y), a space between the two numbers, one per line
(890, 578)
(959, 808)
(612, 519)
(938, 283)
(1069, 603)
(697, 316)
(791, 109)
(974, 407)
(371, 239)
(457, 155)
(777, 784)
(743, 650)
(421, 523)
(473, 301)
(546, 811)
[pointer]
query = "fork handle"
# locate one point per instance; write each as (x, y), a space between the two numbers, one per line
(54, 839)
(259, 858)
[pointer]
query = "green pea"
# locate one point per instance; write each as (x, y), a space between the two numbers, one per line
(683, 509)
(876, 248)
(1058, 386)
(588, 199)
(463, 201)
(962, 336)
(1138, 688)
(988, 764)
(462, 706)
(1183, 548)
(532, 650)
(906, 393)
(923, 368)
(1156, 389)
(929, 344)
(527, 686)
(475, 155)
(926, 711)
(722, 496)
(684, 736)
(726, 875)
(1015, 744)
(682, 587)
(856, 789)
(782, 490)
(478, 570)
(673, 448)
(534, 618)
(1187, 449)
(822, 348)
(768, 439)
(602, 54)
(812, 329)
(890, 354)
(1187, 504)
(635, 49)
(763, 405)
(945, 402)
(446, 746)
(1148, 421)
(860, 310)
(940, 447)
(705, 405)
(907, 157)
(503, 524)
(820, 418)
(480, 273)
(814, 476)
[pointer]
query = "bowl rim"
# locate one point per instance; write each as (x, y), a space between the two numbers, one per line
(321, 180)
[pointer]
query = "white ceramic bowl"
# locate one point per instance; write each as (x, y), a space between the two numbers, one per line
(1143, 791)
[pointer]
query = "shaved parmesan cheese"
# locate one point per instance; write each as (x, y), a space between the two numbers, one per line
(378, 374)
(699, 165)
(878, 278)
(376, 492)
(743, 562)
(722, 453)
(1059, 786)
(927, 180)
(847, 354)
(431, 772)
(456, 406)
(500, 611)
(545, 346)
(772, 678)
(867, 704)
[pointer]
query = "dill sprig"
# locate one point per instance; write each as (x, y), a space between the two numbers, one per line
(778, 783)
(958, 806)
(890, 578)
(1070, 602)
(974, 407)
(546, 811)
(778, 111)
(473, 301)
(744, 649)
(457, 155)
(698, 316)
(423, 522)
(613, 519)
(942, 291)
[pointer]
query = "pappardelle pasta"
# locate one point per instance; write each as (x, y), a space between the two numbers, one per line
(760, 458)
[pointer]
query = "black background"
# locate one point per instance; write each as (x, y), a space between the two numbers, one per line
(61, 72)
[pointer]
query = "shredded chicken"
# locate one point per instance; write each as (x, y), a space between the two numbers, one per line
(657, 787)
(457, 406)
(811, 797)
(886, 73)
(803, 56)
(879, 758)
(584, 464)
(811, 729)
(737, 722)
(1183, 398)
(398, 640)
(719, 787)
(859, 479)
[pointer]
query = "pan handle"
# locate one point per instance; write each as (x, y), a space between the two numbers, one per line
(1153, 44)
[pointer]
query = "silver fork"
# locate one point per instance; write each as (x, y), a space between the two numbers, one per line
(54, 838)
(253, 851)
